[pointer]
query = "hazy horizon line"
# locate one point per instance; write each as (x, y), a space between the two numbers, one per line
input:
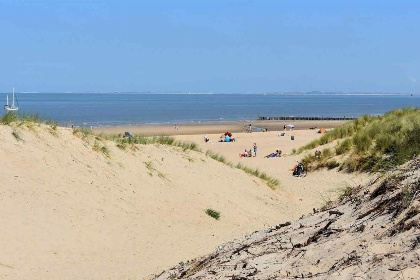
(212, 93)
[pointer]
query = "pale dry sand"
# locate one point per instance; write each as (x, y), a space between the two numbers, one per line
(304, 194)
(68, 212)
(203, 128)
(371, 233)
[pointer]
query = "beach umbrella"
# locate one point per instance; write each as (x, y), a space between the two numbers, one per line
(290, 125)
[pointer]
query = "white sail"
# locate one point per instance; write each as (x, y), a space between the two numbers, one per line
(12, 107)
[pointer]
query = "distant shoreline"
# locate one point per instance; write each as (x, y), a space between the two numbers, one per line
(213, 127)
(219, 93)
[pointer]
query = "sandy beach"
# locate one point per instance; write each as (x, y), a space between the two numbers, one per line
(210, 128)
(303, 193)
(67, 207)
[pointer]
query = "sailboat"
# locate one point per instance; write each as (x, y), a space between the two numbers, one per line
(11, 107)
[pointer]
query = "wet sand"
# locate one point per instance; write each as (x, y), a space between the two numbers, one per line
(213, 128)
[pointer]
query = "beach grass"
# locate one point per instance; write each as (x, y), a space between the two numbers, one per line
(372, 143)
(100, 148)
(20, 119)
(270, 181)
(213, 213)
(122, 142)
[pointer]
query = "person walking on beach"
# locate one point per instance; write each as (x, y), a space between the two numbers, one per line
(255, 149)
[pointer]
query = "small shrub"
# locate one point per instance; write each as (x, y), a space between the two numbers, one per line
(213, 213)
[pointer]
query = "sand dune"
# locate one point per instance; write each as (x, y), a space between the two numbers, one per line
(303, 194)
(69, 212)
(372, 232)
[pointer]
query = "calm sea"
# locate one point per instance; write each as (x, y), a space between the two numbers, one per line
(133, 109)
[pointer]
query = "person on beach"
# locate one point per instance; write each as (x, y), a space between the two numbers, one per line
(244, 154)
(255, 149)
(206, 139)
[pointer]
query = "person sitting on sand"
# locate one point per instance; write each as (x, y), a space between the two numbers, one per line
(244, 154)
(276, 154)
(206, 139)
(270, 155)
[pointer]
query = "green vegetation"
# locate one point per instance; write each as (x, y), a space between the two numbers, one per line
(98, 147)
(83, 133)
(344, 146)
(20, 119)
(217, 157)
(271, 182)
(213, 213)
(372, 143)
(123, 142)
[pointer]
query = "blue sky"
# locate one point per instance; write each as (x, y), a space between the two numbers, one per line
(210, 46)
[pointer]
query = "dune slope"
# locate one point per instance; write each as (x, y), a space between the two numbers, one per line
(70, 212)
(372, 232)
